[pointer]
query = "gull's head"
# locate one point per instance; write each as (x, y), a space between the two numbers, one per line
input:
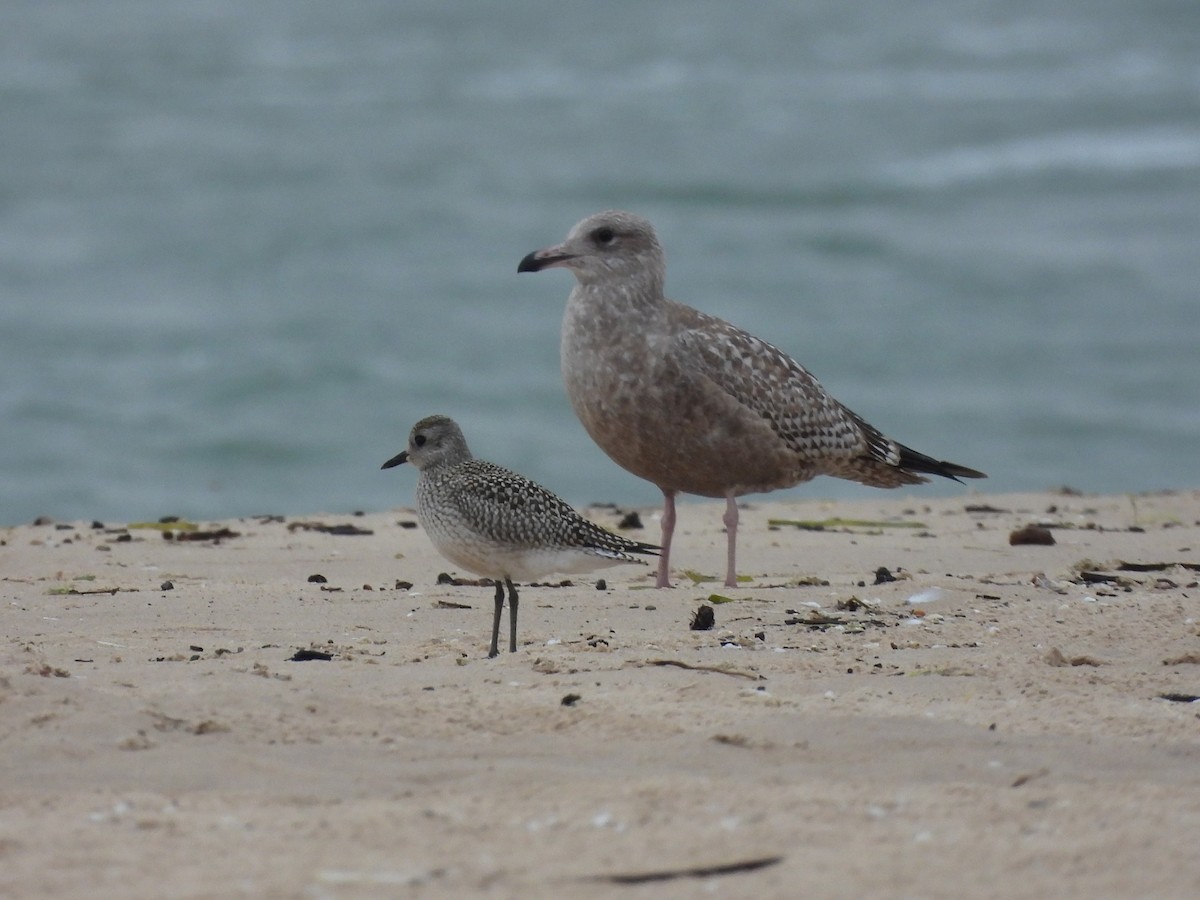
(434, 441)
(608, 246)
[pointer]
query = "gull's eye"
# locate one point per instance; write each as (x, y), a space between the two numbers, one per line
(603, 235)
(419, 440)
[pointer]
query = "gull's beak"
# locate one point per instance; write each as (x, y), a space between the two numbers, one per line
(401, 457)
(545, 259)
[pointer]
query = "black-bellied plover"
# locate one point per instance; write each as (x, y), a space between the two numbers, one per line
(692, 403)
(499, 524)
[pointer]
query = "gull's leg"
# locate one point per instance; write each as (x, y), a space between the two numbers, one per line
(731, 523)
(668, 529)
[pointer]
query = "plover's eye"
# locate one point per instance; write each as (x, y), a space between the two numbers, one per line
(603, 235)
(419, 440)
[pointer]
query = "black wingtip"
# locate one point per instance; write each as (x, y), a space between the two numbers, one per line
(918, 462)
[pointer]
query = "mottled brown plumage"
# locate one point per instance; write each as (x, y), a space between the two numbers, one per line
(693, 403)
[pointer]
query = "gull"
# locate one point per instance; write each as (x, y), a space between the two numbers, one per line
(692, 403)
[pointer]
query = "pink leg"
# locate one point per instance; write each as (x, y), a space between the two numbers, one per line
(731, 522)
(668, 529)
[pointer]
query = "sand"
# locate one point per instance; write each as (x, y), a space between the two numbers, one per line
(992, 723)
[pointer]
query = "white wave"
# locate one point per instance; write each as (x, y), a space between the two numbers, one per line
(1078, 151)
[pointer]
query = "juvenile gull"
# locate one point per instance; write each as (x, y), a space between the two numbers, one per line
(692, 403)
(499, 524)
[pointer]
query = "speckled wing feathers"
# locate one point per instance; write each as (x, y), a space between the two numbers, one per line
(823, 435)
(512, 510)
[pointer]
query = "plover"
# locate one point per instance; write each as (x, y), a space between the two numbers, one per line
(496, 523)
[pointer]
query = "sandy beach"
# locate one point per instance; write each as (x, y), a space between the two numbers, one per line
(899, 702)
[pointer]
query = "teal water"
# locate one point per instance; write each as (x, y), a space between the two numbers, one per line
(244, 246)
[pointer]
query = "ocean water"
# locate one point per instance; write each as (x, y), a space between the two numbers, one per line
(245, 245)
